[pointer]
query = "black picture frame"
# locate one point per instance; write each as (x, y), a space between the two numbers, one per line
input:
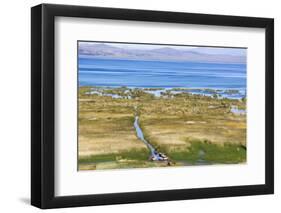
(43, 105)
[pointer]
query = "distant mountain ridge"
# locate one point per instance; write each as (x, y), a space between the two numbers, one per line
(101, 50)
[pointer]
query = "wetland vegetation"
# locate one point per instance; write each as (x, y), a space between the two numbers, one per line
(191, 129)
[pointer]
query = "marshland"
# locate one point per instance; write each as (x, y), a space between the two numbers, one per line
(188, 128)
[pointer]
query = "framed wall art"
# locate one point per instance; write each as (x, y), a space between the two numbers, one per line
(139, 106)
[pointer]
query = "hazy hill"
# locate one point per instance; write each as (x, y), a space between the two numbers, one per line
(219, 55)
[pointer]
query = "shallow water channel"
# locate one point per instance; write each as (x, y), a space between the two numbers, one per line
(154, 154)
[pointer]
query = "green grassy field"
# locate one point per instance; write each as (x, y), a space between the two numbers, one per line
(189, 129)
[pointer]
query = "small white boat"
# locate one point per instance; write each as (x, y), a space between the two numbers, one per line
(158, 157)
(162, 156)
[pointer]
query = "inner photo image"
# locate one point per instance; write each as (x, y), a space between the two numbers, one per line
(160, 105)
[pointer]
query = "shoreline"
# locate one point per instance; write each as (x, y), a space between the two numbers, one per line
(220, 93)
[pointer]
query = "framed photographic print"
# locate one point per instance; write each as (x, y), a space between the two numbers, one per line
(139, 106)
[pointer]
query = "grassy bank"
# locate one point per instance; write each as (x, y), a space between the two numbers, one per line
(210, 153)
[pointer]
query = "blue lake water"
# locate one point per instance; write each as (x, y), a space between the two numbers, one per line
(164, 74)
